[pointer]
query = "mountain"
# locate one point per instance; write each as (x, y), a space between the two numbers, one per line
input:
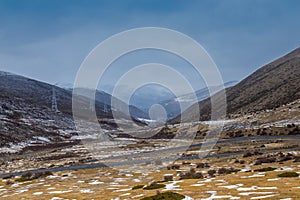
(26, 116)
(272, 85)
(149, 95)
(104, 99)
(153, 94)
(172, 106)
(25, 112)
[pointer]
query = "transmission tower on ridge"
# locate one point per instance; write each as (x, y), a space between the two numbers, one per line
(105, 108)
(54, 101)
(92, 105)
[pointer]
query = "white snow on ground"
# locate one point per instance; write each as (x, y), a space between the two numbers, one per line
(215, 196)
(56, 198)
(43, 139)
(126, 194)
(260, 174)
(3, 117)
(147, 121)
(172, 186)
(256, 188)
(250, 193)
(197, 185)
(274, 179)
(283, 123)
(218, 122)
(86, 191)
(188, 198)
(123, 190)
(13, 147)
(247, 168)
(66, 132)
(285, 168)
(95, 182)
(206, 180)
(60, 192)
(83, 137)
(37, 193)
(231, 186)
(137, 196)
(264, 197)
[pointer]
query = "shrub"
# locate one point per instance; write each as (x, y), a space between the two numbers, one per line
(212, 172)
(174, 167)
(8, 176)
(239, 161)
(227, 171)
(297, 159)
(28, 176)
(249, 154)
(286, 157)
(259, 161)
(222, 170)
(186, 163)
(168, 178)
(202, 165)
(242, 162)
(288, 174)
(192, 174)
(154, 186)
(165, 196)
(192, 171)
(137, 187)
(9, 182)
(266, 169)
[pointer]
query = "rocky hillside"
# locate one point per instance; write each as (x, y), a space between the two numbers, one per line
(272, 85)
(26, 116)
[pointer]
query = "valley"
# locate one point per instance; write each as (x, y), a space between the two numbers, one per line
(251, 153)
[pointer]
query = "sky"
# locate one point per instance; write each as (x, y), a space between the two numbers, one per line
(48, 40)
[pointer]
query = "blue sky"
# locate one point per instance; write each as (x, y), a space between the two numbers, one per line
(48, 40)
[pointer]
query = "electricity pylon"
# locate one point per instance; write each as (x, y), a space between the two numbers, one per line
(54, 101)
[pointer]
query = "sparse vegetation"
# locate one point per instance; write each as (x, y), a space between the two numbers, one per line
(288, 174)
(28, 176)
(192, 174)
(168, 178)
(259, 161)
(227, 171)
(165, 196)
(249, 154)
(154, 186)
(137, 187)
(212, 172)
(8, 176)
(173, 167)
(202, 165)
(266, 169)
(297, 159)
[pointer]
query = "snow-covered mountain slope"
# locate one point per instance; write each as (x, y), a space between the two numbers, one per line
(26, 116)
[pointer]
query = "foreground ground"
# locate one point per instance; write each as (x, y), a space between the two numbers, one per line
(248, 161)
(234, 178)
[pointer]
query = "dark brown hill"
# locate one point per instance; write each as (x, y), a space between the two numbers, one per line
(272, 85)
